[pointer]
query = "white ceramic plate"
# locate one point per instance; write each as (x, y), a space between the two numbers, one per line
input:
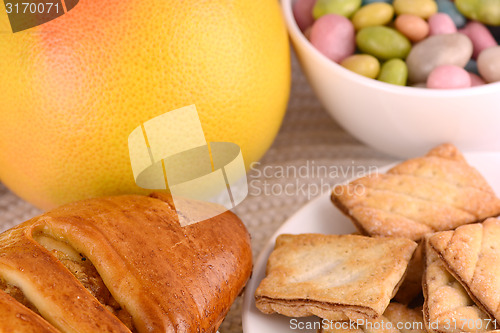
(320, 216)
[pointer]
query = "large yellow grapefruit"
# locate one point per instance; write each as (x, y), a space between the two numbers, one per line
(73, 89)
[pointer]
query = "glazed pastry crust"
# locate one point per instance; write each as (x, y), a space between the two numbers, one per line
(337, 277)
(169, 278)
(436, 192)
(14, 317)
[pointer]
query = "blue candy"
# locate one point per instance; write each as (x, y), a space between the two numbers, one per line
(495, 31)
(448, 7)
(367, 2)
(472, 67)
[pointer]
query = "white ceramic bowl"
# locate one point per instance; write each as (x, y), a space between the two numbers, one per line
(401, 121)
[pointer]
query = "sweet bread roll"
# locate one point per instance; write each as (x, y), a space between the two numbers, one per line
(121, 264)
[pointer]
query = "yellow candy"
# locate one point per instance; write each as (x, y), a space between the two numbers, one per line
(378, 13)
(363, 64)
(422, 8)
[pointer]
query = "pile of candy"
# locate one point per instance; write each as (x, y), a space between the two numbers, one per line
(440, 44)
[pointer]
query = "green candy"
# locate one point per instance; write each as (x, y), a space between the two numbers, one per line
(485, 11)
(394, 71)
(467, 8)
(383, 42)
(341, 7)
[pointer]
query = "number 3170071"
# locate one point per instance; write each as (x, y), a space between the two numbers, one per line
(33, 8)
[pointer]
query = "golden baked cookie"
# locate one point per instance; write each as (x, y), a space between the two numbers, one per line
(439, 191)
(471, 253)
(447, 307)
(337, 277)
(412, 284)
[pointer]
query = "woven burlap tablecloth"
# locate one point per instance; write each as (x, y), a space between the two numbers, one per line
(289, 175)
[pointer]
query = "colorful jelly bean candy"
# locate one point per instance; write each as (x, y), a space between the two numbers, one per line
(363, 64)
(422, 8)
(394, 71)
(488, 63)
(437, 50)
(383, 42)
(421, 43)
(471, 67)
(485, 11)
(480, 37)
(441, 23)
(412, 26)
(448, 77)
(340, 7)
(448, 7)
(334, 36)
(476, 80)
(367, 2)
(302, 11)
(379, 13)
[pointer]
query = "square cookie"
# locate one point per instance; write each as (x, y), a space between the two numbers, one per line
(471, 254)
(337, 277)
(436, 192)
(448, 307)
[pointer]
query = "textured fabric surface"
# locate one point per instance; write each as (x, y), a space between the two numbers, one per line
(310, 155)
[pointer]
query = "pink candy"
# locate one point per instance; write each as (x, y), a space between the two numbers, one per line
(334, 36)
(302, 11)
(476, 80)
(441, 23)
(480, 36)
(448, 77)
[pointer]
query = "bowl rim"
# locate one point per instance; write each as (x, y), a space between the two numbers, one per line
(298, 38)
